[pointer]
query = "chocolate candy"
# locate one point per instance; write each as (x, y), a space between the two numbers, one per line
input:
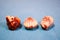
(13, 22)
(30, 23)
(47, 22)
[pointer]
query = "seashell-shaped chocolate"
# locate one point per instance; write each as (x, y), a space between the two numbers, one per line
(30, 23)
(13, 22)
(47, 22)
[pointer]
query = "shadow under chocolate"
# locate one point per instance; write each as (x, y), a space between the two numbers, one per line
(32, 29)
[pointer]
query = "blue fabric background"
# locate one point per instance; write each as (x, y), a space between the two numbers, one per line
(34, 8)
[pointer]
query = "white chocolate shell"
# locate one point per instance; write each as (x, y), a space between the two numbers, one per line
(30, 23)
(47, 22)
